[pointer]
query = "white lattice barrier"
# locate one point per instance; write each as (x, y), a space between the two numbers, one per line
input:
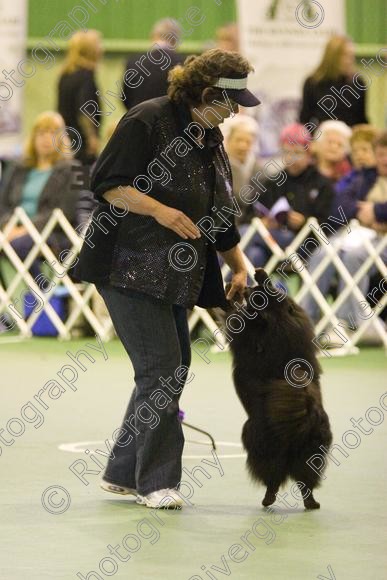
(349, 338)
(82, 294)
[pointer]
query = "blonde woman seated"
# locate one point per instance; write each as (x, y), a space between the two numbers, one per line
(45, 179)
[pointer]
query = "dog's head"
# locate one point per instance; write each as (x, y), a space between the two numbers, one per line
(265, 298)
(270, 324)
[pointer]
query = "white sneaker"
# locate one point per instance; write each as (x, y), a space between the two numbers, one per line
(161, 499)
(113, 488)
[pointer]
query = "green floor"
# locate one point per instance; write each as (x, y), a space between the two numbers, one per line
(346, 539)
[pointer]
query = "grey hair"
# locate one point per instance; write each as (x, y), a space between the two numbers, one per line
(244, 122)
(167, 27)
(338, 127)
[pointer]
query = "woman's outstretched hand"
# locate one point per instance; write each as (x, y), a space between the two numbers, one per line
(238, 285)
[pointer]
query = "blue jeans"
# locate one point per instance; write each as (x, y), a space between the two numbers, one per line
(148, 449)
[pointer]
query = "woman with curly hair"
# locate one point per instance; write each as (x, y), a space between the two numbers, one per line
(151, 249)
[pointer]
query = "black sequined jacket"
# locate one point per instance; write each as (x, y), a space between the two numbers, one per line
(154, 150)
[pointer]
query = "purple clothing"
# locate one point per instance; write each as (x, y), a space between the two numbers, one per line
(348, 180)
(353, 188)
(380, 210)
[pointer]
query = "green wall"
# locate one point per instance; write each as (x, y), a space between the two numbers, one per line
(367, 21)
(130, 19)
(126, 25)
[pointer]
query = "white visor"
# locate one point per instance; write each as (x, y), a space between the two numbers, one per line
(225, 83)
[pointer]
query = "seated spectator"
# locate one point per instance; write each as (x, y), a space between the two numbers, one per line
(240, 136)
(363, 173)
(331, 149)
(45, 179)
(305, 193)
(370, 208)
(373, 215)
(373, 211)
(241, 143)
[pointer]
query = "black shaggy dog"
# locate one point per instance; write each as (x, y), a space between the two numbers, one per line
(286, 422)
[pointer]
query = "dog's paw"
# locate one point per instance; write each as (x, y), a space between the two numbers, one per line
(311, 504)
(269, 498)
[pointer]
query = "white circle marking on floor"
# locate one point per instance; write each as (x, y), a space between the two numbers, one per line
(82, 446)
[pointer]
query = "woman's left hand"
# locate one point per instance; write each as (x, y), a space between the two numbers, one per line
(238, 286)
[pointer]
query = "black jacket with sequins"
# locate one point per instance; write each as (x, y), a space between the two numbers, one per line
(153, 149)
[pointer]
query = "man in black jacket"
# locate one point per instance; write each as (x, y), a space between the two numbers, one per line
(146, 75)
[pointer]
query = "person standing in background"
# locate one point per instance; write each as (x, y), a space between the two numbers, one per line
(335, 75)
(227, 37)
(76, 86)
(166, 35)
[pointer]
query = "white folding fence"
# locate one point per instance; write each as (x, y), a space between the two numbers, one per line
(81, 296)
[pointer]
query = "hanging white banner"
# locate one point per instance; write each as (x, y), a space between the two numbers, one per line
(13, 31)
(284, 41)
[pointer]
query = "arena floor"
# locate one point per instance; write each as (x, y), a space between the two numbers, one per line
(343, 540)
